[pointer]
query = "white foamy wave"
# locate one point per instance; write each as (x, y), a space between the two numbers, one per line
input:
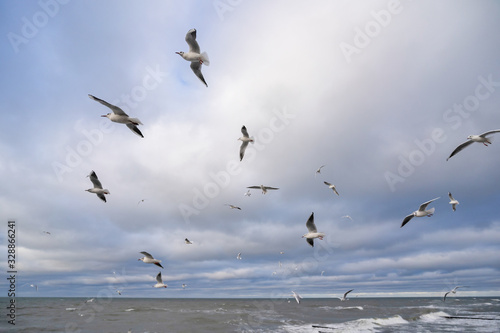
(433, 316)
(367, 325)
(70, 309)
(348, 307)
(128, 310)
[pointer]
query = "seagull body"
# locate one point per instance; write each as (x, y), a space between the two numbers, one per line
(332, 187)
(148, 259)
(453, 202)
(313, 232)
(264, 188)
(318, 171)
(245, 139)
(344, 297)
(159, 282)
(482, 138)
(420, 212)
(297, 296)
(194, 56)
(453, 291)
(97, 189)
(119, 116)
(233, 207)
(187, 241)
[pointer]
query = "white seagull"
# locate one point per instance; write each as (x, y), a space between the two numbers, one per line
(194, 56)
(184, 286)
(453, 202)
(98, 190)
(318, 170)
(344, 298)
(34, 286)
(187, 241)
(159, 282)
(297, 296)
(148, 259)
(346, 217)
(264, 188)
(119, 116)
(233, 206)
(238, 256)
(332, 187)
(483, 138)
(245, 139)
(313, 232)
(420, 212)
(247, 193)
(453, 291)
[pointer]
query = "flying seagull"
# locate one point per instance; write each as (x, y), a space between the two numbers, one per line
(344, 298)
(313, 232)
(119, 116)
(318, 170)
(97, 189)
(346, 217)
(148, 259)
(184, 286)
(159, 282)
(483, 138)
(297, 296)
(194, 56)
(233, 207)
(420, 212)
(187, 241)
(332, 187)
(453, 291)
(34, 286)
(247, 193)
(238, 256)
(245, 139)
(453, 202)
(264, 188)
(142, 200)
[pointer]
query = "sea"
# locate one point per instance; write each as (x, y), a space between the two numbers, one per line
(464, 314)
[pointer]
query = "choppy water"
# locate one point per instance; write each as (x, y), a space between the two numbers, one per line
(255, 315)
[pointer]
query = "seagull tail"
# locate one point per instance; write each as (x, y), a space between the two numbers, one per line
(204, 58)
(431, 211)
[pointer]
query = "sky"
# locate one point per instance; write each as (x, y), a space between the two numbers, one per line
(380, 92)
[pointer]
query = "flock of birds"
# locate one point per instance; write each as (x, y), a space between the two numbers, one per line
(197, 59)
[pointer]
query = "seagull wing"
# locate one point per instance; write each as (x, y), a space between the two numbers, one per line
(101, 196)
(243, 147)
(347, 293)
(450, 196)
(310, 224)
(147, 255)
(95, 180)
(196, 67)
(191, 40)
(327, 183)
(116, 110)
(310, 241)
(444, 298)
(244, 132)
(462, 146)
(488, 133)
(158, 278)
(407, 219)
(271, 188)
(257, 187)
(158, 264)
(424, 205)
(134, 129)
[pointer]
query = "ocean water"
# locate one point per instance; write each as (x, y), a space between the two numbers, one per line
(254, 315)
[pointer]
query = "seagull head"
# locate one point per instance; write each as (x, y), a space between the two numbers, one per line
(180, 53)
(106, 192)
(469, 137)
(106, 115)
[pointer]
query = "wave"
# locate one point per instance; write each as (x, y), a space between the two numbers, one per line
(365, 325)
(128, 310)
(433, 316)
(330, 308)
(70, 309)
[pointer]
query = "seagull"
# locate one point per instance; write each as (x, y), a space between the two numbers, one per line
(313, 232)
(34, 286)
(245, 139)
(282, 252)
(97, 186)
(89, 300)
(238, 256)
(142, 200)
(247, 193)
(194, 56)
(119, 116)
(184, 286)
(297, 296)
(233, 207)
(264, 188)
(46, 232)
(453, 291)
(420, 212)
(159, 281)
(187, 241)
(483, 138)
(453, 202)
(332, 187)
(318, 171)
(119, 292)
(148, 259)
(346, 217)
(344, 298)
(322, 272)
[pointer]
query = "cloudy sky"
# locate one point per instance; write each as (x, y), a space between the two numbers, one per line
(380, 92)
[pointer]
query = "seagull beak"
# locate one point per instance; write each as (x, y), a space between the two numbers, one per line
(104, 115)
(178, 53)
